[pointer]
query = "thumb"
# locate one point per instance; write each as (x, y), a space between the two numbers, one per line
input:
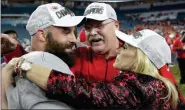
(12, 63)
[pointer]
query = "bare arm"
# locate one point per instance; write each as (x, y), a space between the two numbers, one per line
(38, 75)
(7, 81)
(4, 100)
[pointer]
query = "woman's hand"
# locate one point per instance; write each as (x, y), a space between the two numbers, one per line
(7, 73)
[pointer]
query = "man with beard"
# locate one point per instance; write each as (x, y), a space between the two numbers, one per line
(61, 50)
(52, 28)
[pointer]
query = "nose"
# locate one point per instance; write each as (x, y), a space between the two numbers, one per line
(72, 38)
(94, 31)
(117, 50)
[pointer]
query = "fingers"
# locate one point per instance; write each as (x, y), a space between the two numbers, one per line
(11, 65)
(16, 64)
(14, 61)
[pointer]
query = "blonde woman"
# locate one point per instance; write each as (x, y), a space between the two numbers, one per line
(137, 86)
(147, 52)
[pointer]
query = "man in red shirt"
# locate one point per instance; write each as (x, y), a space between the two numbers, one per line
(179, 47)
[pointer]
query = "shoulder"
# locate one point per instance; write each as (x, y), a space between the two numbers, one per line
(151, 82)
(153, 89)
(82, 50)
(148, 89)
(149, 85)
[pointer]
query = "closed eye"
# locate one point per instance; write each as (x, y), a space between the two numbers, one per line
(66, 30)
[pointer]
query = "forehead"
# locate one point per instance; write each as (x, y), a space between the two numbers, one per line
(91, 21)
(64, 28)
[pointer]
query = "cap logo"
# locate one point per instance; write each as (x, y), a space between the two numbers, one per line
(54, 8)
(64, 12)
(137, 35)
(94, 10)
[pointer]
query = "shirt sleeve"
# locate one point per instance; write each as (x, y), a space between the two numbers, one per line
(19, 51)
(124, 92)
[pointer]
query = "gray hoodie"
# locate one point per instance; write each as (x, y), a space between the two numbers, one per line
(27, 95)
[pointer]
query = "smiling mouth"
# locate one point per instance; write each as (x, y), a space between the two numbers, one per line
(96, 40)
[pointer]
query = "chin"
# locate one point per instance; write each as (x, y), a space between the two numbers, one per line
(69, 51)
(98, 49)
(115, 65)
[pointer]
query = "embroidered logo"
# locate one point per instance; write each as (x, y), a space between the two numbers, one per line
(94, 10)
(64, 12)
(137, 35)
(54, 8)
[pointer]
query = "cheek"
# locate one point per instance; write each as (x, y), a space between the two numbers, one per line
(61, 38)
(109, 30)
(58, 36)
(109, 34)
(87, 35)
(127, 56)
(105, 35)
(117, 62)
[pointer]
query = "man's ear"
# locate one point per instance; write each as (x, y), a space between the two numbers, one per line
(117, 25)
(41, 35)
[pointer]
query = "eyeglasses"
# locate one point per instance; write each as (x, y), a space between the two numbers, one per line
(88, 28)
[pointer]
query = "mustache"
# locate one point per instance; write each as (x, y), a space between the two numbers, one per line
(95, 39)
(70, 45)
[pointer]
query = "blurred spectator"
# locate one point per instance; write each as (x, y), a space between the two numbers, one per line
(82, 36)
(26, 44)
(7, 45)
(7, 41)
(12, 33)
(183, 36)
(28, 49)
(179, 47)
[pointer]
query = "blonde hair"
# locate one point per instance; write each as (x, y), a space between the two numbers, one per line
(144, 66)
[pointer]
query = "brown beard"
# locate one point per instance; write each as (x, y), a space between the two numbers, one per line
(58, 49)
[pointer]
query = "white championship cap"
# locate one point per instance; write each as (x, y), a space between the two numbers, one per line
(100, 12)
(51, 14)
(48, 60)
(151, 43)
